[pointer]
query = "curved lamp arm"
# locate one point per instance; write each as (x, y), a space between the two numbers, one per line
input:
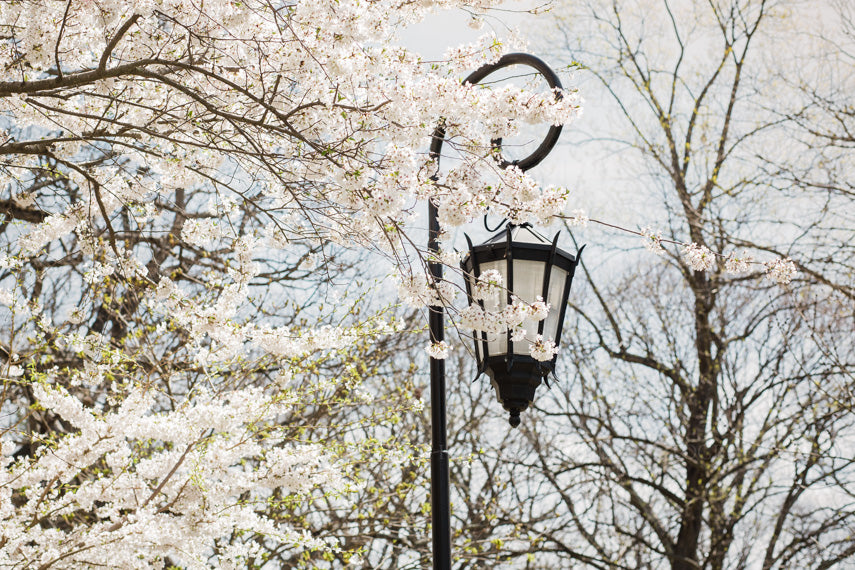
(476, 76)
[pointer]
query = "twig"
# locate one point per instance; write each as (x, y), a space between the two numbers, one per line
(58, 40)
(169, 475)
(581, 220)
(102, 65)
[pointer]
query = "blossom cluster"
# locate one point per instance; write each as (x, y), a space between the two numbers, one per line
(518, 318)
(209, 473)
(488, 285)
(417, 291)
(653, 240)
(439, 350)
(738, 263)
(698, 257)
(543, 350)
(781, 271)
(701, 258)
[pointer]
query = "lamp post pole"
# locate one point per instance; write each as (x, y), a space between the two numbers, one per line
(439, 487)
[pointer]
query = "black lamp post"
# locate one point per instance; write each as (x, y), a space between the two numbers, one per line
(531, 266)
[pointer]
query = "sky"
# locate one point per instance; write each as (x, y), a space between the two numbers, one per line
(448, 28)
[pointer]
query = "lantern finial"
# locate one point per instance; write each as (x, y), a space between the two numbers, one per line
(514, 420)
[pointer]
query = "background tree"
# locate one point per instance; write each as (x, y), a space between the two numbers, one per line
(704, 419)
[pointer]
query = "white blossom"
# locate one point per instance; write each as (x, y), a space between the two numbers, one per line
(14, 371)
(415, 291)
(539, 309)
(438, 350)
(201, 232)
(781, 270)
(518, 334)
(738, 263)
(488, 285)
(579, 217)
(450, 257)
(514, 314)
(699, 257)
(543, 350)
(653, 240)
(98, 273)
(475, 318)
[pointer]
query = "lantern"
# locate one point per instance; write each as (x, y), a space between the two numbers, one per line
(530, 266)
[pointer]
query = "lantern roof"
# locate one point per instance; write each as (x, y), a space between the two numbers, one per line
(526, 244)
(522, 233)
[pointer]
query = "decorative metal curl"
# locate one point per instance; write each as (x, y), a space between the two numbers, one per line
(552, 135)
(491, 230)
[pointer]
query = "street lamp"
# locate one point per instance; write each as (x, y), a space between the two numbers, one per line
(533, 267)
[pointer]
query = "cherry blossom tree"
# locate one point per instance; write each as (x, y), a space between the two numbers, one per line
(189, 194)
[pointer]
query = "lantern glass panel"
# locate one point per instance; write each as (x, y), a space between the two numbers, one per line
(525, 234)
(469, 279)
(497, 343)
(528, 286)
(555, 297)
